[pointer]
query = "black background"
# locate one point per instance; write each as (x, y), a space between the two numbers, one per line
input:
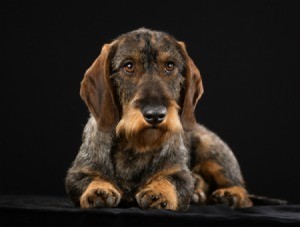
(247, 52)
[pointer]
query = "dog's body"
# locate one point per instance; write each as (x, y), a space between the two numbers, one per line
(142, 144)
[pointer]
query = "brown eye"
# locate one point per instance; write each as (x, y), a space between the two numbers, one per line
(169, 67)
(129, 68)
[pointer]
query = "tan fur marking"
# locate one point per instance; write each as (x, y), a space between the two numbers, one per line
(172, 120)
(201, 184)
(94, 185)
(211, 169)
(205, 143)
(166, 172)
(239, 192)
(159, 186)
(142, 136)
(168, 190)
(131, 123)
(201, 189)
(90, 172)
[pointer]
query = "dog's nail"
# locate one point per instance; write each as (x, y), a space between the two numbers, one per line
(99, 203)
(216, 196)
(227, 194)
(90, 200)
(99, 192)
(110, 201)
(164, 204)
(233, 201)
(154, 198)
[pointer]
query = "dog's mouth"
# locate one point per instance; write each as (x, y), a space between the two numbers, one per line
(155, 128)
(147, 128)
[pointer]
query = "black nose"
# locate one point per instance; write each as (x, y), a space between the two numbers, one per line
(154, 114)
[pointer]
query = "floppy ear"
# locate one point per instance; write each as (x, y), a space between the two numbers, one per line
(193, 90)
(97, 92)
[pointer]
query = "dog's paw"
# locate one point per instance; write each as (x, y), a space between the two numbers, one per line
(198, 197)
(152, 198)
(234, 197)
(100, 194)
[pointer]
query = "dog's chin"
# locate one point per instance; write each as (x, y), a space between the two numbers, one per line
(153, 132)
(149, 138)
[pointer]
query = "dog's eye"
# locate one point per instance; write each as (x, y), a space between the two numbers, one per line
(169, 67)
(129, 67)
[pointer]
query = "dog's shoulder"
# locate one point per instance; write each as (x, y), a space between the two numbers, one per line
(200, 139)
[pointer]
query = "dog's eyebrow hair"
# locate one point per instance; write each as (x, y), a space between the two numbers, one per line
(122, 55)
(172, 55)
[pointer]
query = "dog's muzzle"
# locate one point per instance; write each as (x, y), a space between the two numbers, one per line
(154, 114)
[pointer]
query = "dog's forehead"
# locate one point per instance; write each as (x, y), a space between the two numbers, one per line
(143, 38)
(141, 43)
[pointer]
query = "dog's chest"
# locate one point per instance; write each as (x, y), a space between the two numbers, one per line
(131, 168)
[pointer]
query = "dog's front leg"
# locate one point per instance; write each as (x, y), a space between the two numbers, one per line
(160, 194)
(167, 191)
(88, 188)
(100, 193)
(90, 182)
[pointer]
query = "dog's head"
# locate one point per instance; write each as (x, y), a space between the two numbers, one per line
(144, 85)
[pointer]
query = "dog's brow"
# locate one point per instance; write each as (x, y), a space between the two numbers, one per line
(173, 55)
(164, 55)
(122, 55)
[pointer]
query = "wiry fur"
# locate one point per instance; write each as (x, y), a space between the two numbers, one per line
(126, 159)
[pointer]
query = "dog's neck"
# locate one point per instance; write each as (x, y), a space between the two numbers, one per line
(150, 140)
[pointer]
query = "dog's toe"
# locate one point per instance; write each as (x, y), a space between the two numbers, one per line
(198, 197)
(100, 198)
(234, 197)
(153, 199)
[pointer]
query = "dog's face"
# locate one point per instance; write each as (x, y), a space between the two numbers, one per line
(145, 86)
(144, 61)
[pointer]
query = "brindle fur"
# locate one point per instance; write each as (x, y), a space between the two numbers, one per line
(125, 160)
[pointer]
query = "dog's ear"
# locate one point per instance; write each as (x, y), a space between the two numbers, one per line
(97, 92)
(192, 92)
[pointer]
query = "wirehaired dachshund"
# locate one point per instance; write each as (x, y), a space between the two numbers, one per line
(142, 145)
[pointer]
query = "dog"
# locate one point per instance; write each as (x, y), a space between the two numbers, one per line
(142, 145)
